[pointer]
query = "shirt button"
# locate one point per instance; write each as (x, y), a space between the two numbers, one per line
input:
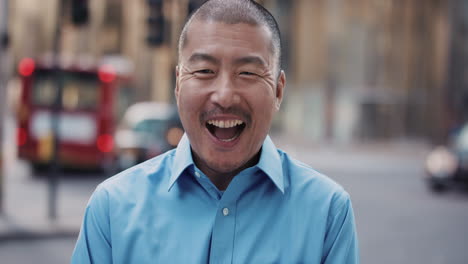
(225, 211)
(197, 174)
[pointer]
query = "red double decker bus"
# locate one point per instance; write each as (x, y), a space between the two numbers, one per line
(93, 98)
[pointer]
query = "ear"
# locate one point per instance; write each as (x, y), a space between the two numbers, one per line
(281, 83)
(176, 89)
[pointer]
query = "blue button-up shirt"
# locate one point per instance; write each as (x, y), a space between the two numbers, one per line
(166, 210)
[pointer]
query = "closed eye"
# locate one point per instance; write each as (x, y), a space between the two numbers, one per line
(205, 71)
(247, 73)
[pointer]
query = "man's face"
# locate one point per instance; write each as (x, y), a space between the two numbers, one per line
(227, 90)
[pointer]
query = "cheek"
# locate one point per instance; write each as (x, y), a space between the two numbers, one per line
(190, 107)
(190, 104)
(187, 97)
(264, 102)
(264, 112)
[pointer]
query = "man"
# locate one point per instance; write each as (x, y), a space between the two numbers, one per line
(226, 194)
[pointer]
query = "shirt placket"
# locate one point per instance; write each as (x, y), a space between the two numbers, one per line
(224, 228)
(222, 238)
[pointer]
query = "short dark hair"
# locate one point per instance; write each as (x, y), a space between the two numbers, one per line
(235, 12)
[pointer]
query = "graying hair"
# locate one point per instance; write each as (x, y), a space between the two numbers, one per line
(235, 12)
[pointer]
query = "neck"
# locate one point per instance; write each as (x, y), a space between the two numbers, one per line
(222, 179)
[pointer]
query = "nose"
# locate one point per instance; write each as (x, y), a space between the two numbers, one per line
(225, 94)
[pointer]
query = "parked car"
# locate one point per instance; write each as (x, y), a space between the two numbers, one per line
(447, 166)
(147, 130)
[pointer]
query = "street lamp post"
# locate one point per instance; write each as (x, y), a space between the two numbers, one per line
(53, 178)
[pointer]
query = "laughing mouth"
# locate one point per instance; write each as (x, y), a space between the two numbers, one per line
(226, 130)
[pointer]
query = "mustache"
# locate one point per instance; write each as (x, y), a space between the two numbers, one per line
(220, 111)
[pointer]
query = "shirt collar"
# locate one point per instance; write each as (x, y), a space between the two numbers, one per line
(182, 160)
(270, 162)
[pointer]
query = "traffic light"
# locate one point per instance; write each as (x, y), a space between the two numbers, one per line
(156, 23)
(79, 12)
(4, 40)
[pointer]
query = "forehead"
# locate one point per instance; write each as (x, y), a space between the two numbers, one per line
(218, 38)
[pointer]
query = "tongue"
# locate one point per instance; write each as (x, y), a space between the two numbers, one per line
(225, 133)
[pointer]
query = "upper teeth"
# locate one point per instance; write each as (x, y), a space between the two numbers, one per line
(225, 123)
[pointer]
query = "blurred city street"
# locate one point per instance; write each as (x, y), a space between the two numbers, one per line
(399, 220)
(376, 98)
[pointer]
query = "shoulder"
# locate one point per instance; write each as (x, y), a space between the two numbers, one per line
(151, 174)
(311, 185)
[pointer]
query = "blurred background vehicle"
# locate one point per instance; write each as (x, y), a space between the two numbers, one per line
(92, 100)
(147, 130)
(447, 166)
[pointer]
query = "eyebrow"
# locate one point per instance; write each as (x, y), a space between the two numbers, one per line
(203, 57)
(250, 60)
(239, 61)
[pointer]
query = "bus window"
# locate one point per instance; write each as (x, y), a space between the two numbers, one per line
(80, 90)
(44, 90)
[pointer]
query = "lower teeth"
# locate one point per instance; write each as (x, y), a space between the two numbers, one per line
(229, 139)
